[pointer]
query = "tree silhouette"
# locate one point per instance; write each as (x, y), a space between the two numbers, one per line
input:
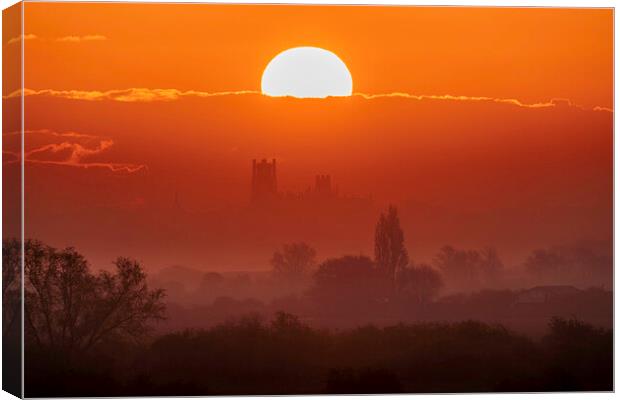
(285, 323)
(420, 283)
(491, 265)
(294, 261)
(390, 252)
(344, 271)
(468, 267)
(69, 309)
(125, 302)
(11, 267)
(586, 263)
(459, 266)
(349, 283)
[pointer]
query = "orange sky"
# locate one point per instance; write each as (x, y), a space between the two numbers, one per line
(531, 54)
(503, 165)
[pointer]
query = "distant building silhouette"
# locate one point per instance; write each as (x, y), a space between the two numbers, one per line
(322, 193)
(177, 202)
(264, 181)
(323, 187)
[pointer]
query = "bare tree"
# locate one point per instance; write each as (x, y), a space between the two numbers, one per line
(294, 261)
(390, 252)
(125, 303)
(70, 309)
(11, 270)
(59, 290)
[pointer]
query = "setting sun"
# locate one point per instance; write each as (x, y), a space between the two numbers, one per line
(307, 72)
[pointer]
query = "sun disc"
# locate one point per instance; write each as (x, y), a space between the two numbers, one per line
(306, 72)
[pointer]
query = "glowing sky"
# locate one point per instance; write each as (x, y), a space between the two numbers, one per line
(485, 125)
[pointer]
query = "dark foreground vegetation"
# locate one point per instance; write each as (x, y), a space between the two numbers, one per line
(351, 324)
(285, 356)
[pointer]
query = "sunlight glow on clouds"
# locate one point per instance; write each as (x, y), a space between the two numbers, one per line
(18, 39)
(72, 151)
(85, 38)
(152, 95)
(66, 39)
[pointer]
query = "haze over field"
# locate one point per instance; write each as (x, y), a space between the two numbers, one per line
(492, 174)
(474, 142)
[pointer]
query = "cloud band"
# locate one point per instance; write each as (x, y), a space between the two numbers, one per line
(154, 95)
(72, 151)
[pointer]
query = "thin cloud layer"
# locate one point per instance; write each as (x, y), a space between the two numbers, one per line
(125, 95)
(74, 151)
(68, 134)
(557, 102)
(153, 95)
(66, 39)
(77, 39)
(19, 38)
(455, 98)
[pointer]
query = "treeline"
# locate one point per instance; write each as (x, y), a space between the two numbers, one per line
(90, 334)
(285, 356)
(392, 285)
(391, 274)
(506, 307)
(451, 271)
